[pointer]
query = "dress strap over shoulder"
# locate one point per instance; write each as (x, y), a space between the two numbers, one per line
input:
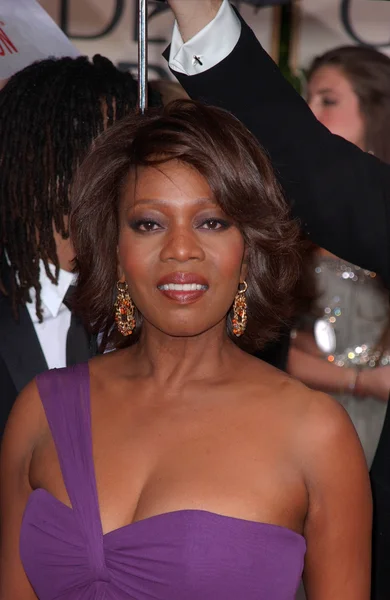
(65, 395)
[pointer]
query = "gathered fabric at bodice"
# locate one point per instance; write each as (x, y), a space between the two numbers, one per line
(181, 555)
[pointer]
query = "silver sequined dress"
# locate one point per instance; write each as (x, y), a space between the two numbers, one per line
(356, 306)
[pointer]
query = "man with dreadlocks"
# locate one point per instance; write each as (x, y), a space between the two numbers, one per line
(50, 112)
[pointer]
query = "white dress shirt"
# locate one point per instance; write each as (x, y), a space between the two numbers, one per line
(208, 47)
(53, 330)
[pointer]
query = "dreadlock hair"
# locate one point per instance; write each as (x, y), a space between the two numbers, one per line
(50, 113)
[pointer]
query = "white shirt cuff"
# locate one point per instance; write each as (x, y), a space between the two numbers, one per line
(208, 47)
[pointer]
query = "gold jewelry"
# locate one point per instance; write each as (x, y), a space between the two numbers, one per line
(124, 310)
(240, 311)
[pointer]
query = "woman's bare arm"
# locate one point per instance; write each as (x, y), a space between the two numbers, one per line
(339, 519)
(19, 439)
(192, 16)
(321, 375)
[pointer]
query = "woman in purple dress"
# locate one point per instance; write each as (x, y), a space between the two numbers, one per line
(180, 467)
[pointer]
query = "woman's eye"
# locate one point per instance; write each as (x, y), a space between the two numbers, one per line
(145, 226)
(328, 102)
(214, 224)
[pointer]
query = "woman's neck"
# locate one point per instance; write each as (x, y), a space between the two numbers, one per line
(173, 361)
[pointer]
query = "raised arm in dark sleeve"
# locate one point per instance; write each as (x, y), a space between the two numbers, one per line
(340, 194)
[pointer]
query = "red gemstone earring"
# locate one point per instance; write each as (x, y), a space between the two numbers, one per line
(124, 310)
(240, 316)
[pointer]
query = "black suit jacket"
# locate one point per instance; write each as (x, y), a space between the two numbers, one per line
(21, 356)
(340, 194)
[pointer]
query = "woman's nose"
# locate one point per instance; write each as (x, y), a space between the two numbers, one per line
(182, 244)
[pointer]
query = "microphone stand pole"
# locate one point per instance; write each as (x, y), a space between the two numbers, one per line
(142, 56)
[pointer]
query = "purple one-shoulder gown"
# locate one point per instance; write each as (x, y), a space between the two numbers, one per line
(182, 555)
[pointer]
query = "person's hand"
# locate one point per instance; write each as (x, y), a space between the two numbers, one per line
(375, 383)
(193, 15)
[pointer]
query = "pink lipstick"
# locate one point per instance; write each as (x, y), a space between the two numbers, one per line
(184, 288)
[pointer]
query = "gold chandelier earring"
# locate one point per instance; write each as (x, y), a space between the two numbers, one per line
(240, 316)
(124, 310)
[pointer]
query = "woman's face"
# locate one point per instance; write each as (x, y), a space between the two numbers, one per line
(335, 104)
(181, 256)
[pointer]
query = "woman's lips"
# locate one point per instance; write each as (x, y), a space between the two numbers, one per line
(183, 287)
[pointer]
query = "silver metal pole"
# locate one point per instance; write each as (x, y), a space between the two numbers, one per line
(142, 56)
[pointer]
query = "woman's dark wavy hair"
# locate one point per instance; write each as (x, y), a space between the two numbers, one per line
(368, 71)
(240, 176)
(50, 112)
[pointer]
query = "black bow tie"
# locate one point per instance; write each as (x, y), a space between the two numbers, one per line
(78, 341)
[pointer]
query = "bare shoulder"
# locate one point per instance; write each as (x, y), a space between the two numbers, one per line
(319, 420)
(314, 409)
(325, 442)
(25, 426)
(322, 420)
(315, 419)
(27, 414)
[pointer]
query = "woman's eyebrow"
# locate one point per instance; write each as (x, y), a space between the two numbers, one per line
(162, 201)
(325, 91)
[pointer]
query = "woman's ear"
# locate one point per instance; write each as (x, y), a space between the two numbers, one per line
(121, 276)
(120, 272)
(244, 266)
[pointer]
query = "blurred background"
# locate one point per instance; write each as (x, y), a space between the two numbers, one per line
(293, 32)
